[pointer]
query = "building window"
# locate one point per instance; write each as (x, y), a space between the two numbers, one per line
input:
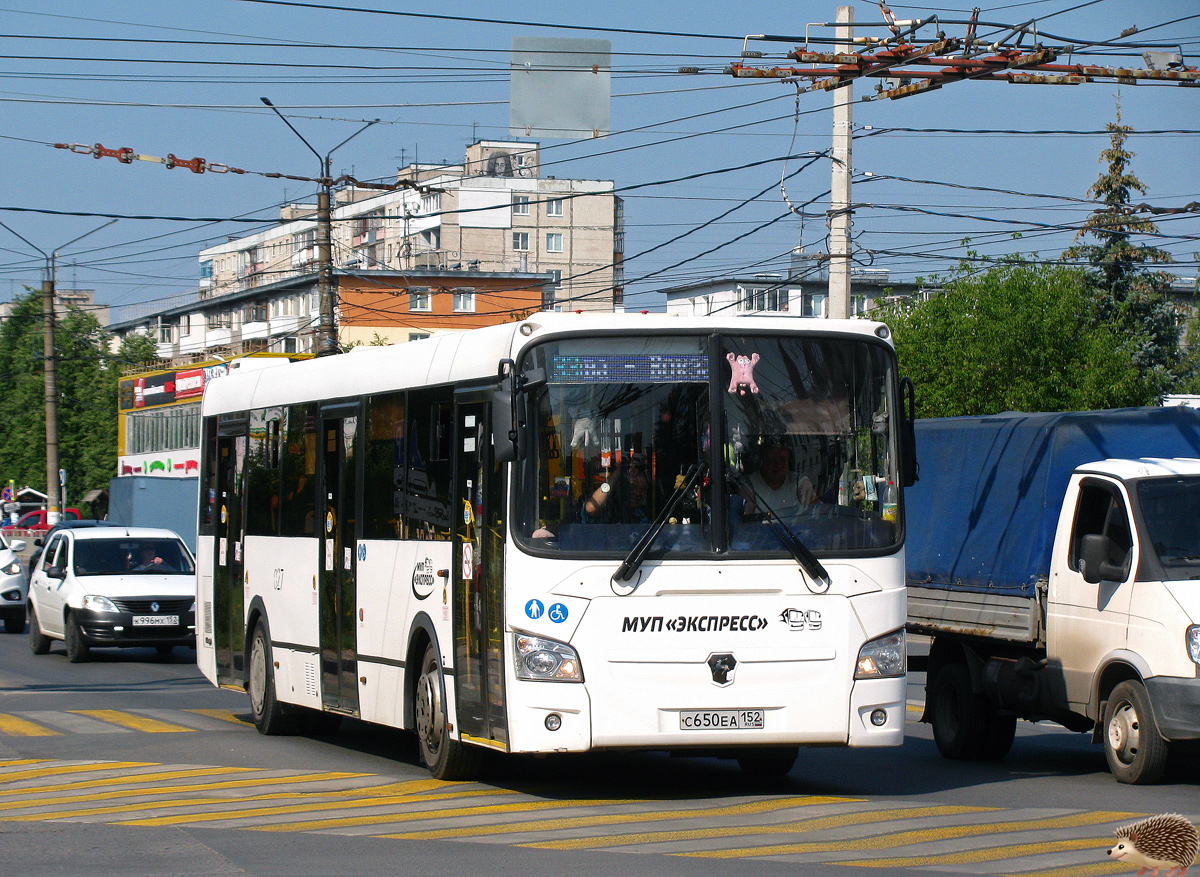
(419, 299)
(521, 205)
(554, 243)
(556, 277)
(219, 319)
(554, 207)
(520, 241)
(206, 270)
(431, 239)
(255, 313)
(417, 336)
(431, 203)
(464, 300)
(764, 298)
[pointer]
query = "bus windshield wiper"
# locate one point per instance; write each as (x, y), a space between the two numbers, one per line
(805, 558)
(634, 560)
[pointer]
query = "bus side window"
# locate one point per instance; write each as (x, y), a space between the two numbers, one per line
(426, 498)
(299, 465)
(383, 485)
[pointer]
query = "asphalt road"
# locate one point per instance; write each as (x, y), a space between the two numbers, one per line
(132, 765)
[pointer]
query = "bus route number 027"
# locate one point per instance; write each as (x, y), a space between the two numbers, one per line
(720, 720)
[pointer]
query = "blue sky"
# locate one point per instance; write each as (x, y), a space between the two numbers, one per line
(177, 77)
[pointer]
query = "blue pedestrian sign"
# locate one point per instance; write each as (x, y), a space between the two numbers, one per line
(534, 609)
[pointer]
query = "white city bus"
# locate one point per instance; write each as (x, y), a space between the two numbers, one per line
(537, 537)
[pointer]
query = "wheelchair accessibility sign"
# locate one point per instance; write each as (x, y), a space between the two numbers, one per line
(557, 613)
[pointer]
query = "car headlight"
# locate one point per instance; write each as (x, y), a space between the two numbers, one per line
(1192, 638)
(12, 569)
(882, 657)
(98, 603)
(545, 660)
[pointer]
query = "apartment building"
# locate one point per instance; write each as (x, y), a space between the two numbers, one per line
(495, 213)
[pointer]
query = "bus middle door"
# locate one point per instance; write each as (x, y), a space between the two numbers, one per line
(339, 563)
(478, 580)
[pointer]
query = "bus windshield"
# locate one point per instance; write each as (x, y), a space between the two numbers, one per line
(805, 442)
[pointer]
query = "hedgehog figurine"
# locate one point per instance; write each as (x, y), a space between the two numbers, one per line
(1167, 842)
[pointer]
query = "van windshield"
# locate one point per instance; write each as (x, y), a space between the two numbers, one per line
(1170, 510)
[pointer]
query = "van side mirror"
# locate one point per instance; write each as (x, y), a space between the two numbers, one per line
(1094, 564)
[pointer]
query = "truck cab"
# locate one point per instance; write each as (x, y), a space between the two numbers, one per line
(1123, 607)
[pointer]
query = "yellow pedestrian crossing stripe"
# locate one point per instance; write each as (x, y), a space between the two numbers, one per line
(50, 723)
(131, 721)
(852, 832)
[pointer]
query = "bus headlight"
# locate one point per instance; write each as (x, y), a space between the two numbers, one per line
(882, 657)
(1192, 638)
(545, 660)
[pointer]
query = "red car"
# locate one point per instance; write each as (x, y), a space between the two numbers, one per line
(36, 520)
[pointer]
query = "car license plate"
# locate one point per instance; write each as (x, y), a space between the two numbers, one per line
(720, 720)
(155, 620)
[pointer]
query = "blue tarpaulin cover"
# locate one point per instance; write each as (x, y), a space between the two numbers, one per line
(982, 516)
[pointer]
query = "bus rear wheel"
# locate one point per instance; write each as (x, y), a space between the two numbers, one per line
(445, 758)
(269, 715)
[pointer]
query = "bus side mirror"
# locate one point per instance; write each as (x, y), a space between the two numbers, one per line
(909, 467)
(510, 411)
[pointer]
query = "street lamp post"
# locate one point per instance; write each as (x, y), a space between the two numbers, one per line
(49, 364)
(327, 340)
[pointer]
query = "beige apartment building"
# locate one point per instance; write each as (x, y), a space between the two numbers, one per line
(494, 213)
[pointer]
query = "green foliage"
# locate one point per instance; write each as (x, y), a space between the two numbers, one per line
(87, 409)
(1017, 337)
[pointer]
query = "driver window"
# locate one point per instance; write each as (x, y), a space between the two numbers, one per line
(1101, 511)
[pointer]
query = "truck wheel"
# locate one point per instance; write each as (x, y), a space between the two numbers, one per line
(998, 736)
(269, 715)
(1135, 751)
(959, 715)
(77, 649)
(445, 758)
(39, 643)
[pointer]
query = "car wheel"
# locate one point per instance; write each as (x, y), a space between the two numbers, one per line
(77, 649)
(1135, 751)
(446, 759)
(39, 643)
(15, 623)
(270, 717)
(959, 717)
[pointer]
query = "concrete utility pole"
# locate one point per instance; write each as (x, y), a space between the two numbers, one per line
(838, 304)
(50, 369)
(327, 333)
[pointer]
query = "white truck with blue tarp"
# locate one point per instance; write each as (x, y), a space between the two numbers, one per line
(1054, 560)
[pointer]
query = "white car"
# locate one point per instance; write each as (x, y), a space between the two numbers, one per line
(112, 586)
(13, 584)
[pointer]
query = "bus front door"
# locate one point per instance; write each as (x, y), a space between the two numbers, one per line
(339, 542)
(228, 572)
(478, 578)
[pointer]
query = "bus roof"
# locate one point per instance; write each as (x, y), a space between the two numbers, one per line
(473, 355)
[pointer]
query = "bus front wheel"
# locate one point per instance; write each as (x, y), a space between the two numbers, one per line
(269, 715)
(446, 759)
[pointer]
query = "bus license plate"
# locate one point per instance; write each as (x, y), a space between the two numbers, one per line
(720, 720)
(155, 620)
